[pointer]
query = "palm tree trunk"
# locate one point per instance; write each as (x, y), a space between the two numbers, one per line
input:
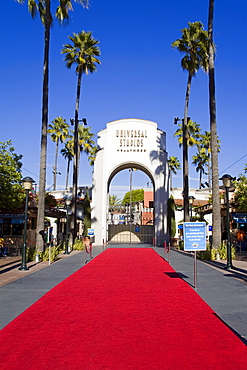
(75, 164)
(43, 151)
(55, 168)
(67, 175)
(200, 179)
(216, 235)
(185, 153)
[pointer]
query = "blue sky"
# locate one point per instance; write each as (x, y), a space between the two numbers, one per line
(140, 77)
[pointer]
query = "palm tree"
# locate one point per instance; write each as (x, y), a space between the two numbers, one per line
(59, 132)
(173, 166)
(216, 220)
(68, 153)
(43, 7)
(200, 160)
(83, 52)
(194, 44)
(193, 130)
(92, 154)
(85, 142)
(114, 203)
(205, 143)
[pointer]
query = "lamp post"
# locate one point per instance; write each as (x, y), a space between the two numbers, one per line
(75, 172)
(27, 184)
(67, 202)
(226, 179)
(191, 202)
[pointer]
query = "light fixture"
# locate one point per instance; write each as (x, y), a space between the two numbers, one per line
(27, 184)
(227, 179)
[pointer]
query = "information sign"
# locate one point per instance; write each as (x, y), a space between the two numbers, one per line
(194, 236)
(90, 232)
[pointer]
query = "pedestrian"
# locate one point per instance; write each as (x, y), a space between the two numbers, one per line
(240, 239)
(3, 251)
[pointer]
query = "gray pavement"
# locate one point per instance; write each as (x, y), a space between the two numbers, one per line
(224, 291)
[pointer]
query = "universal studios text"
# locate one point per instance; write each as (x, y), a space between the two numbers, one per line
(131, 138)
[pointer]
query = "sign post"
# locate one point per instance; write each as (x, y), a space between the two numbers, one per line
(194, 240)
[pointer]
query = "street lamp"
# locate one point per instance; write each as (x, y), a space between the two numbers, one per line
(67, 202)
(226, 179)
(191, 202)
(75, 171)
(27, 184)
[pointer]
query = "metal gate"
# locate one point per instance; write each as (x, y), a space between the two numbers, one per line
(130, 234)
(130, 225)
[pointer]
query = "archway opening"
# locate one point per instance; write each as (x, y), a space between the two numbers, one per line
(130, 210)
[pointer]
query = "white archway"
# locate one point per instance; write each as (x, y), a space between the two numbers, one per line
(130, 143)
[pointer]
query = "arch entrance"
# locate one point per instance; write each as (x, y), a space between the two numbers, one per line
(133, 221)
(130, 144)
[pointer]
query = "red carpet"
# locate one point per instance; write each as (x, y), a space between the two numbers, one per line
(126, 309)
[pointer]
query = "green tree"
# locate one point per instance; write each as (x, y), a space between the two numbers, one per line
(171, 222)
(137, 195)
(92, 155)
(83, 52)
(85, 142)
(173, 166)
(200, 160)
(194, 44)
(204, 145)
(87, 214)
(192, 133)
(114, 202)
(68, 153)
(216, 218)
(59, 131)
(11, 192)
(43, 8)
(240, 197)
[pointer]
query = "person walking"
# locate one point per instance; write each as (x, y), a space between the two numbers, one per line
(3, 251)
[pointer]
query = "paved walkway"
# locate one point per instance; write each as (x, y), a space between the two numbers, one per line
(225, 291)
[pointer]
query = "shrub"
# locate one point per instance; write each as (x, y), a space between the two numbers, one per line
(206, 255)
(31, 253)
(212, 254)
(78, 245)
(223, 251)
(53, 252)
(180, 245)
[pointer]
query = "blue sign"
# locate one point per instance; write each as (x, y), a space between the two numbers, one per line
(239, 217)
(137, 229)
(90, 232)
(194, 236)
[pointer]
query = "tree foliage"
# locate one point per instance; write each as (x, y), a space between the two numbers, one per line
(87, 214)
(241, 191)
(114, 202)
(171, 222)
(11, 191)
(137, 195)
(59, 131)
(194, 44)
